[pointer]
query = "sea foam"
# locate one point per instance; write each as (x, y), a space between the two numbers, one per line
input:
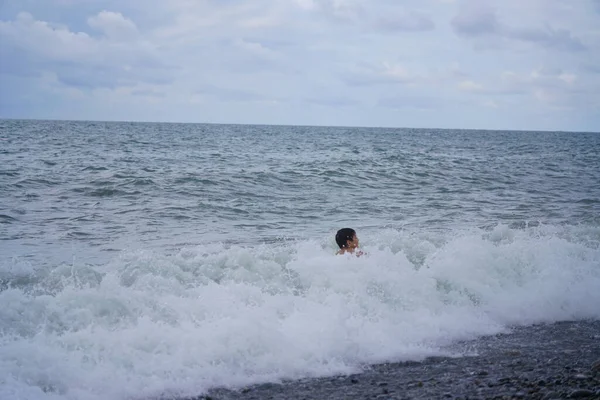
(150, 323)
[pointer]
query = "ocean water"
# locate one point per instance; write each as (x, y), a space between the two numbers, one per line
(142, 260)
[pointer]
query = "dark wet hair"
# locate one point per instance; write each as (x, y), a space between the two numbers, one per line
(343, 235)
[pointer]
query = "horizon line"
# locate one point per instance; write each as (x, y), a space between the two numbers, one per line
(288, 125)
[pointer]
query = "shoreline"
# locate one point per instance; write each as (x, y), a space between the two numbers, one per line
(546, 361)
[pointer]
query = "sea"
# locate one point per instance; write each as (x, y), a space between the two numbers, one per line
(148, 260)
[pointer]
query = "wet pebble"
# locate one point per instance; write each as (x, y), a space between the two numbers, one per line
(551, 396)
(581, 394)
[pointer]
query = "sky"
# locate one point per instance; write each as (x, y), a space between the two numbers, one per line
(482, 64)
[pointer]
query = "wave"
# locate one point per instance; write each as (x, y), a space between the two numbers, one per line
(195, 180)
(105, 191)
(7, 219)
(94, 168)
(35, 183)
(224, 315)
(9, 173)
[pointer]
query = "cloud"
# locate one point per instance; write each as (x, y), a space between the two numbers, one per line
(391, 18)
(592, 68)
(148, 93)
(222, 93)
(411, 102)
(567, 77)
(332, 101)
(344, 10)
(477, 19)
(408, 21)
(304, 61)
(540, 78)
(560, 39)
(52, 42)
(384, 73)
(491, 104)
(114, 25)
(495, 87)
(470, 86)
(117, 57)
(410, 76)
(256, 48)
(545, 86)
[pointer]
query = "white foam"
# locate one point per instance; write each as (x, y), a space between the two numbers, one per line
(148, 323)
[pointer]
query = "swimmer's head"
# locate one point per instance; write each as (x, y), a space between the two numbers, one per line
(346, 238)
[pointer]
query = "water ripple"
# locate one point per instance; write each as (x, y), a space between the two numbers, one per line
(110, 182)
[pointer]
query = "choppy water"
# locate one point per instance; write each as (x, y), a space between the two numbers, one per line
(172, 258)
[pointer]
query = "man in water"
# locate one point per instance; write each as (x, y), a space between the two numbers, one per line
(347, 241)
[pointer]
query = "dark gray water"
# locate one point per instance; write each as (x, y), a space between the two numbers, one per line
(181, 257)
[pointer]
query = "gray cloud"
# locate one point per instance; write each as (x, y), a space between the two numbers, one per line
(560, 39)
(478, 19)
(475, 19)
